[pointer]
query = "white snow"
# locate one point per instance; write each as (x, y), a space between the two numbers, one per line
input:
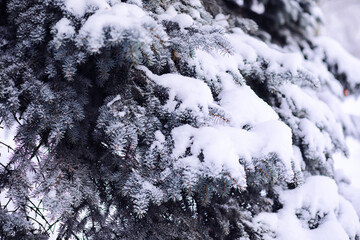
(245, 107)
(195, 3)
(64, 29)
(213, 65)
(350, 106)
(317, 197)
(223, 146)
(346, 62)
(184, 20)
(159, 139)
(219, 151)
(279, 61)
(118, 19)
(221, 20)
(76, 7)
(193, 94)
(320, 111)
(319, 142)
(136, 2)
(80, 7)
(115, 99)
(159, 136)
(258, 7)
(347, 173)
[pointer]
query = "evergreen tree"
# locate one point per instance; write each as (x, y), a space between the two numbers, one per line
(167, 119)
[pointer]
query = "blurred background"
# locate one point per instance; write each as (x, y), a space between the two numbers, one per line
(342, 22)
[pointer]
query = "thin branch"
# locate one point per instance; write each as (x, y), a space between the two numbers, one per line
(16, 119)
(36, 150)
(6, 145)
(12, 211)
(36, 210)
(7, 203)
(50, 226)
(5, 167)
(74, 234)
(40, 224)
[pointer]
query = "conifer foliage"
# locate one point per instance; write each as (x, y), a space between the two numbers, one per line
(164, 119)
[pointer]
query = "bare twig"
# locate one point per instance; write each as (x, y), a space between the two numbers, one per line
(16, 119)
(38, 212)
(7, 203)
(40, 224)
(6, 145)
